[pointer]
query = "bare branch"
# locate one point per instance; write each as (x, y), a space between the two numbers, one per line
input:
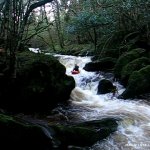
(33, 6)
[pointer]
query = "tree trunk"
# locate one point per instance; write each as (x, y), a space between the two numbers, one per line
(15, 22)
(58, 26)
(95, 39)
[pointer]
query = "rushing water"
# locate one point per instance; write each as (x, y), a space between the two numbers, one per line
(134, 128)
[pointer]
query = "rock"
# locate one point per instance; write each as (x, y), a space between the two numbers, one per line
(40, 85)
(134, 65)
(105, 86)
(84, 134)
(18, 135)
(139, 83)
(103, 64)
(126, 58)
(70, 147)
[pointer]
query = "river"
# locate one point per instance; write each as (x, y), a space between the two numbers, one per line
(133, 132)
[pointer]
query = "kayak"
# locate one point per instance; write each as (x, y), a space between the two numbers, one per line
(75, 72)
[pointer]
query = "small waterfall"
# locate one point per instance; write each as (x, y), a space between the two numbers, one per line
(133, 131)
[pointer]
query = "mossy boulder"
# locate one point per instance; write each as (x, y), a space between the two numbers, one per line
(40, 85)
(86, 133)
(113, 53)
(103, 64)
(19, 135)
(105, 86)
(126, 58)
(135, 65)
(139, 83)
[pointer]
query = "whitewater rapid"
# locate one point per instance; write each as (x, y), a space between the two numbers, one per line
(134, 128)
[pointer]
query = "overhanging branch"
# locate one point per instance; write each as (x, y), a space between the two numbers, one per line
(33, 6)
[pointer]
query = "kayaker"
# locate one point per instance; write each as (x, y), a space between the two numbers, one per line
(76, 68)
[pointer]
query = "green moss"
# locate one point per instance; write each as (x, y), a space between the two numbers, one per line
(5, 119)
(22, 135)
(134, 65)
(139, 83)
(40, 85)
(85, 134)
(127, 58)
(13, 123)
(113, 53)
(75, 49)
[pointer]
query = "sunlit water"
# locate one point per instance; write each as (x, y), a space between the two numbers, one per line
(134, 128)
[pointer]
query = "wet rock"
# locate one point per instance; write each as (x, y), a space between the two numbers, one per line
(105, 86)
(85, 133)
(103, 64)
(19, 135)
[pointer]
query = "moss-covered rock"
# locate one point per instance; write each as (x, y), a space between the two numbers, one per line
(127, 58)
(103, 64)
(86, 133)
(22, 136)
(105, 86)
(40, 85)
(113, 53)
(135, 65)
(139, 83)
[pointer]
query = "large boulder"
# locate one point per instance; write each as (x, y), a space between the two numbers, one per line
(40, 85)
(135, 65)
(126, 58)
(139, 83)
(84, 134)
(105, 86)
(22, 134)
(18, 135)
(103, 64)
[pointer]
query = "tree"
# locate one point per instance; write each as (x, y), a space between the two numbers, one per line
(14, 18)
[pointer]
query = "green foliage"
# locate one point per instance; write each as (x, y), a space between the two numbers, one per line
(108, 24)
(5, 119)
(86, 20)
(118, 23)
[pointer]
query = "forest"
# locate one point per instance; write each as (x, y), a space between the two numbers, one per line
(115, 34)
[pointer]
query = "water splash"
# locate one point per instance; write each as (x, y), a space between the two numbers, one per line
(133, 131)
